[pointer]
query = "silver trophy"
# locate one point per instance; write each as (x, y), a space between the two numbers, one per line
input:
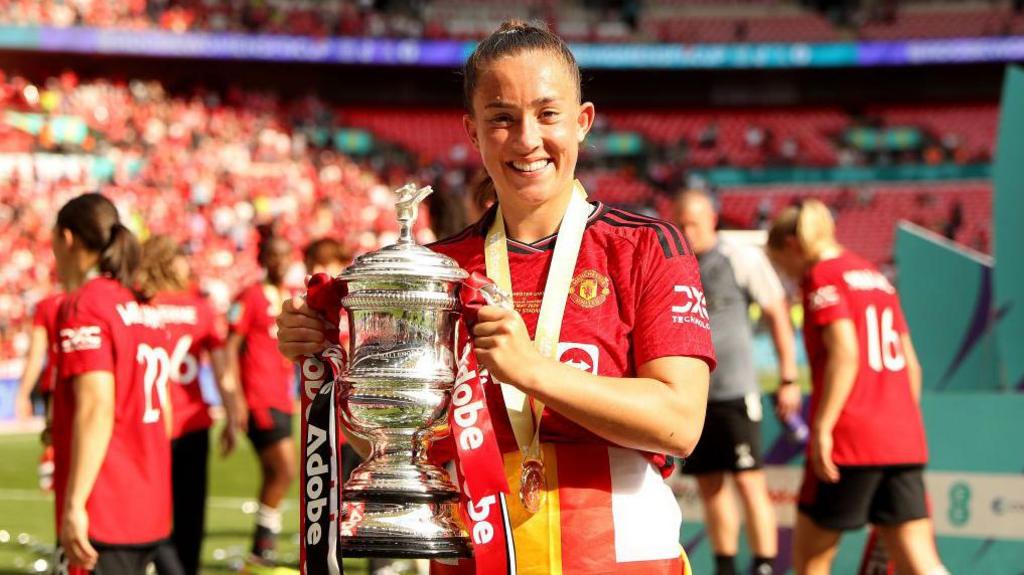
(402, 308)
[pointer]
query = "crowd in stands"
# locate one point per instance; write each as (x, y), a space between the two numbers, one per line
(207, 166)
(687, 21)
(203, 167)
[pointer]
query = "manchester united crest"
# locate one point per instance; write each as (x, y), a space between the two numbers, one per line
(589, 289)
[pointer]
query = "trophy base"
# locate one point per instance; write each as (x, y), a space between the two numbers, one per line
(395, 525)
(381, 548)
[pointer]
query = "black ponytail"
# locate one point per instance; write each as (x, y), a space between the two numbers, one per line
(93, 220)
(120, 258)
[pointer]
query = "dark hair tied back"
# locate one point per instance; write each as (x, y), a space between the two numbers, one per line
(511, 38)
(93, 220)
(120, 258)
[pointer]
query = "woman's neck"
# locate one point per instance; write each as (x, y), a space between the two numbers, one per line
(527, 224)
(87, 268)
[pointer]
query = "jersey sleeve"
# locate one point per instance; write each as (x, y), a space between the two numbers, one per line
(755, 274)
(671, 309)
(826, 300)
(240, 314)
(86, 342)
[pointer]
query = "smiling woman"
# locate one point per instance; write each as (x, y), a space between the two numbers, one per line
(603, 365)
(526, 117)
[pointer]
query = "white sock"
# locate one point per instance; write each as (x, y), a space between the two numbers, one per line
(269, 518)
(939, 570)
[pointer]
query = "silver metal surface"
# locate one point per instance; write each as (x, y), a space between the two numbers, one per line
(402, 308)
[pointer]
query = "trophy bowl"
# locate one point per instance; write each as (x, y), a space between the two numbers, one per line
(403, 310)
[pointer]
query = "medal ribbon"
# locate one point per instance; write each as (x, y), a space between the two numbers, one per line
(525, 421)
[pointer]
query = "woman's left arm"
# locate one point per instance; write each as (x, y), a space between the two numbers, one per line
(661, 410)
(93, 425)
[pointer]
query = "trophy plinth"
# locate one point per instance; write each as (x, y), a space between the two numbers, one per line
(403, 309)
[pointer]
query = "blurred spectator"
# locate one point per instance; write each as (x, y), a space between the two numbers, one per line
(955, 220)
(708, 137)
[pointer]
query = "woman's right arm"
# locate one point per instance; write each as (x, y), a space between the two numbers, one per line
(913, 367)
(300, 332)
(235, 409)
(840, 338)
(93, 424)
(33, 367)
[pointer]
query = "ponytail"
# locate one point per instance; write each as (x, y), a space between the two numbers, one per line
(93, 219)
(810, 223)
(120, 258)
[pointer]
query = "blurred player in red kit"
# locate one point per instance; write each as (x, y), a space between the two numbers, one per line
(41, 369)
(41, 360)
(195, 332)
(111, 424)
(267, 379)
(867, 450)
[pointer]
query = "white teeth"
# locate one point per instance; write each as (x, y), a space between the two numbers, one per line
(530, 166)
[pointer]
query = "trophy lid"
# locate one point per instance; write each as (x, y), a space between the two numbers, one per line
(406, 258)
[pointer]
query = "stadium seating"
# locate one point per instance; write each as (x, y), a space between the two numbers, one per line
(686, 21)
(935, 22)
(691, 30)
(866, 217)
(435, 135)
(974, 124)
(810, 128)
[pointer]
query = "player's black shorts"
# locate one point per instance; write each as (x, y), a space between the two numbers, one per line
(731, 440)
(881, 495)
(113, 559)
(268, 427)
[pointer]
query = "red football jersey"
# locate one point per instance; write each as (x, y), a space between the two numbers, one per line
(267, 377)
(193, 328)
(103, 328)
(635, 296)
(880, 423)
(46, 318)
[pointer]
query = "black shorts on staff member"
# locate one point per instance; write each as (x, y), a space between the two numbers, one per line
(731, 440)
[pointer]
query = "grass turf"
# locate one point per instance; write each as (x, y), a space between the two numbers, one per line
(26, 513)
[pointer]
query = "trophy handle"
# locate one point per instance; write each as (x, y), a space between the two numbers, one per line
(494, 295)
(406, 205)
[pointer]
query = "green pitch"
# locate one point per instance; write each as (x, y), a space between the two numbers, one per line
(26, 513)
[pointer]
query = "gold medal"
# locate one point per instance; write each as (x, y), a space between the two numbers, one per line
(532, 484)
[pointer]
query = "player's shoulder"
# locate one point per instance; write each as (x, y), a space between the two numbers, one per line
(832, 270)
(52, 301)
(48, 307)
(97, 300)
(641, 230)
(98, 295)
(180, 307)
